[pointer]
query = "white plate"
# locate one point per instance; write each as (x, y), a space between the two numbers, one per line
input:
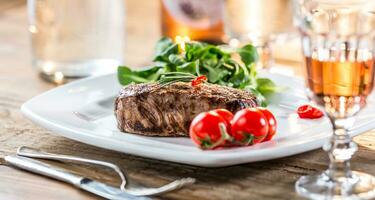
(83, 111)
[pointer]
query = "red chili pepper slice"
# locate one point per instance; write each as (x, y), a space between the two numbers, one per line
(198, 80)
(309, 112)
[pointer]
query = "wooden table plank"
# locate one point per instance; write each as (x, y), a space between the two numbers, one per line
(19, 185)
(262, 180)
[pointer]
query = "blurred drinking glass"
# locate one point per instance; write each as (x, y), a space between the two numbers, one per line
(258, 22)
(200, 20)
(338, 44)
(76, 38)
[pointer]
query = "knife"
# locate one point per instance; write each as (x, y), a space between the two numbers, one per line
(89, 185)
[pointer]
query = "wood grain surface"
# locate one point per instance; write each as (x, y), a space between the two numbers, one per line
(18, 82)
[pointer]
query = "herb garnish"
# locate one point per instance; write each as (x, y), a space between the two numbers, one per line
(215, 62)
(173, 77)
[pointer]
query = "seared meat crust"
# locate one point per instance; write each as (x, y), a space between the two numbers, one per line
(154, 110)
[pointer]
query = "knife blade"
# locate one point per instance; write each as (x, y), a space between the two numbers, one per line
(89, 185)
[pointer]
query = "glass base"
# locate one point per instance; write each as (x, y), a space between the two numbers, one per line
(359, 186)
(62, 72)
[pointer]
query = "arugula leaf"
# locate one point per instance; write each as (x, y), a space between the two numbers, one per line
(215, 62)
(259, 96)
(194, 50)
(176, 59)
(164, 48)
(248, 54)
(189, 67)
(267, 87)
(163, 44)
(215, 74)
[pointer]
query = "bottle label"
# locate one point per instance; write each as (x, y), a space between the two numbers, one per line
(195, 13)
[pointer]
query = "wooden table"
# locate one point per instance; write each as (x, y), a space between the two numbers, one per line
(262, 180)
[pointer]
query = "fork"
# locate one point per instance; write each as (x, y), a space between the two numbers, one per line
(141, 191)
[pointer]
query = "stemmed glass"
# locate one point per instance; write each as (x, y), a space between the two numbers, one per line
(338, 38)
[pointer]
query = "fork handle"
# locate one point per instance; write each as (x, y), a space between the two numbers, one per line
(44, 169)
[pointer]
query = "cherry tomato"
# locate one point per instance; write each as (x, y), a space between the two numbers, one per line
(224, 113)
(227, 116)
(205, 130)
(249, 126)
(197, 81)
(272, 124)
(309, 112)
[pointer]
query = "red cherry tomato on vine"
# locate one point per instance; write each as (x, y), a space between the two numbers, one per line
(272, 124)
(249, 126)
(225, 114)
(205, 130)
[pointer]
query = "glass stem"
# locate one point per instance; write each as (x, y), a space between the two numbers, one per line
(340, 150)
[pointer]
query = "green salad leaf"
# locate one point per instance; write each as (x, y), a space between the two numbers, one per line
(217, 63)
(248, 54)
(127, 76)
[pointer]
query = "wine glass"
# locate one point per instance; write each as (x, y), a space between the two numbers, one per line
(259, 22)
(338, 38)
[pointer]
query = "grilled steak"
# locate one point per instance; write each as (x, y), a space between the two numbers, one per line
(154, 110)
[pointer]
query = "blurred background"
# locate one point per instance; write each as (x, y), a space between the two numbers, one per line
(28, 35)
